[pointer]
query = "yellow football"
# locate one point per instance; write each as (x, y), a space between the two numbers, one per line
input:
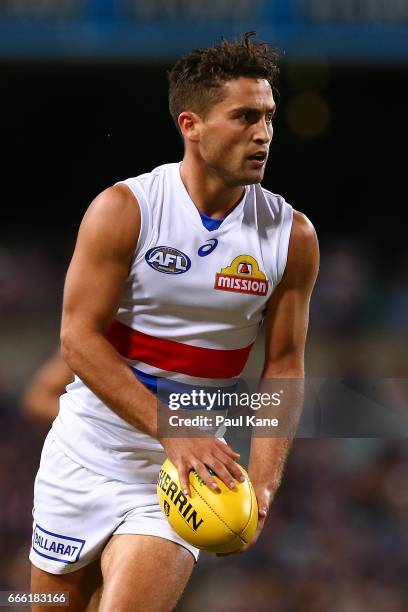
(216, 522)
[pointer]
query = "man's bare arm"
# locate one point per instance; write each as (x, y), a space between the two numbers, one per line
(100, 265)
(286, 329)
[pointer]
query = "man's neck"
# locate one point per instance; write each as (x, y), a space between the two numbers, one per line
(209, 194)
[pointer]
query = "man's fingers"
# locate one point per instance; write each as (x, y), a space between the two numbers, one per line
(218, 456)
(183, 472)
(227, 449)
(203, 472)
(223, 473)
(233, 468)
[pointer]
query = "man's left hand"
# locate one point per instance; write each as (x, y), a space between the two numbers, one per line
(263, 505)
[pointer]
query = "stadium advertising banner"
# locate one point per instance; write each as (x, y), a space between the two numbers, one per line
(159, 30)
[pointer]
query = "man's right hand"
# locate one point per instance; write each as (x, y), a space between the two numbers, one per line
(199, 454)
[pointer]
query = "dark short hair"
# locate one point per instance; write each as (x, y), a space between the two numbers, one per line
(196, 80)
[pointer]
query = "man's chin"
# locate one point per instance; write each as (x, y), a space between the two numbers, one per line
(246, 177)
(253, 177)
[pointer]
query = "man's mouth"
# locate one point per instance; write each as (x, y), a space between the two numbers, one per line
(258, 159)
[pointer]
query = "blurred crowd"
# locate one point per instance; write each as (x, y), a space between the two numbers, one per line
(21, 441)
(335, 540)
(355, 291)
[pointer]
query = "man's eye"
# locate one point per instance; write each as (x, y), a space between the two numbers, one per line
(253, 117)
(247, 117)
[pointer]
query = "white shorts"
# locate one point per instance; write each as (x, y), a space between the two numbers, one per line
(76, 511)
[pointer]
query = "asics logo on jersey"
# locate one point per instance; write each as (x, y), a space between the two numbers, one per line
(168, 260)
(243, 275)
(208, 247)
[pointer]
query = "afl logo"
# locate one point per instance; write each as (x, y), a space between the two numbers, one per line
(167, 260)
(208, 247)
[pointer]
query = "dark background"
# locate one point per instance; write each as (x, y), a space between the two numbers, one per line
(337, 535)
(68, 131)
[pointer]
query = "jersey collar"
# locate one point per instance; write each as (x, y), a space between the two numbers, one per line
(194, 213)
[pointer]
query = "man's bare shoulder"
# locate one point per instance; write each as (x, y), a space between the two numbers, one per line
(303, 255)
(113, 216)
(303, 231)
(115, 200)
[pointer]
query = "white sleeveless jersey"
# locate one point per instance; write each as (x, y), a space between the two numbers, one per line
(190, 309)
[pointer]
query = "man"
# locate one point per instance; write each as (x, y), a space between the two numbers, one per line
(172, 273)
(40, 400)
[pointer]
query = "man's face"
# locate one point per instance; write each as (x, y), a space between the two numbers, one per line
(237, 132)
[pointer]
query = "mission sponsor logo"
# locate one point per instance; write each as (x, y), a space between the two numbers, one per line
(168, 260)
(242, 276)
(56, 547)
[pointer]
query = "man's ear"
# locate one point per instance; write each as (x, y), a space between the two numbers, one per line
(190, 124)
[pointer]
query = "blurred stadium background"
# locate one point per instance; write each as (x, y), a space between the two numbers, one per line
(83, 104)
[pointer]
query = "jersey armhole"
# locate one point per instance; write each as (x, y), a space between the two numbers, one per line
(283, 241)
(145, 222)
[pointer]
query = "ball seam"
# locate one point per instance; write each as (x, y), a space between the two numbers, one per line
(216, 513)
(250, 513)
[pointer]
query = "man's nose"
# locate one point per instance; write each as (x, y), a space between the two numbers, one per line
(263, 133)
